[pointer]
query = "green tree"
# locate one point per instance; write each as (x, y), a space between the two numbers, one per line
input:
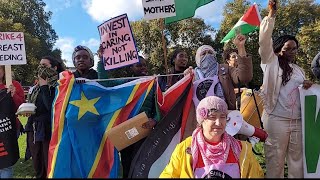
(149, 41)
(28, 16)
(309, 46)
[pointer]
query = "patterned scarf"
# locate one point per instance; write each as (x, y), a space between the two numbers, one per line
(209, 67)
(46, 73)
(212, 154)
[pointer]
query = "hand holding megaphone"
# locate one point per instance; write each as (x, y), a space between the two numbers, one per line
(236, 125)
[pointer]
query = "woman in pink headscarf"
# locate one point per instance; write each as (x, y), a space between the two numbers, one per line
(210, 152)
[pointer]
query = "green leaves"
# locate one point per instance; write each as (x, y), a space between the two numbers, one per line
(29, 17)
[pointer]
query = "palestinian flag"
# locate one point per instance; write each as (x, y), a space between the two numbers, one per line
(249, 22)
(9, 150)
(155, 152)
(186, 9)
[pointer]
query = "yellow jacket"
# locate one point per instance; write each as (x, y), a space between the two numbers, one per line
(180, 165)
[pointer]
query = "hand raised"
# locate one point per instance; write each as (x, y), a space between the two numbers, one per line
(272, 6)
(239, 40)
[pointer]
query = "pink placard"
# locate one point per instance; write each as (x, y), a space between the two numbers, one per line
(118, 43)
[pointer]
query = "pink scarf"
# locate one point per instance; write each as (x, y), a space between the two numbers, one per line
(212, 154)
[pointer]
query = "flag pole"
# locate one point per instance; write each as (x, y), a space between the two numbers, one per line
(164, 44)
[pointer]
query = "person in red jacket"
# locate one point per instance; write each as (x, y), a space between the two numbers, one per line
(16, 91)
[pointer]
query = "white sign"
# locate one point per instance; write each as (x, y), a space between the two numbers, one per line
(310, 106)
(155, 9)
(12, 48)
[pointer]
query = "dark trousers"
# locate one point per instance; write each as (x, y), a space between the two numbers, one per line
(127, 155)
(39, 154)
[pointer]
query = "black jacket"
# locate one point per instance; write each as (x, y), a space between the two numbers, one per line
(92, 74)
(42, 117)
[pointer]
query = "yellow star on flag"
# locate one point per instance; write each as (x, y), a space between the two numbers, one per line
(85, 105)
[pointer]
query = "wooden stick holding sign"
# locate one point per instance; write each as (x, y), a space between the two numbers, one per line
(8, 75)
(164, 46)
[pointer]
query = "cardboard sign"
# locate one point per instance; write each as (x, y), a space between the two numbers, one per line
(12, 48)
(118, 43)
(129, 131)
(155, 9)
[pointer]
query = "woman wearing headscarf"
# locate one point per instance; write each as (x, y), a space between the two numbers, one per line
(222, 78)
(281, 99)
(38, 127)
(315, 66)
(211, 152)
(83, 60)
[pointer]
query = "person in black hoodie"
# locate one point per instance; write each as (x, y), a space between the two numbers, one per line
(83, 60)
(38, 127)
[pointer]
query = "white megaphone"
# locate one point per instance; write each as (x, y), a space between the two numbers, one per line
(236, 125)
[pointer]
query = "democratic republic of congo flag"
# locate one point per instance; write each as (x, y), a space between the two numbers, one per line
(174, 107)
(82, 115)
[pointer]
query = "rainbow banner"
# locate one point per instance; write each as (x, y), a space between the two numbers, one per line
(82, 115)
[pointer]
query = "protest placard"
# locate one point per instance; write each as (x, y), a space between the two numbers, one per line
(118, 43)
(12, 48)
(155, 9)
(310, 116)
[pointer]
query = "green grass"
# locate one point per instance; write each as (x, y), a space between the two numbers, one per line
(23, 169)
